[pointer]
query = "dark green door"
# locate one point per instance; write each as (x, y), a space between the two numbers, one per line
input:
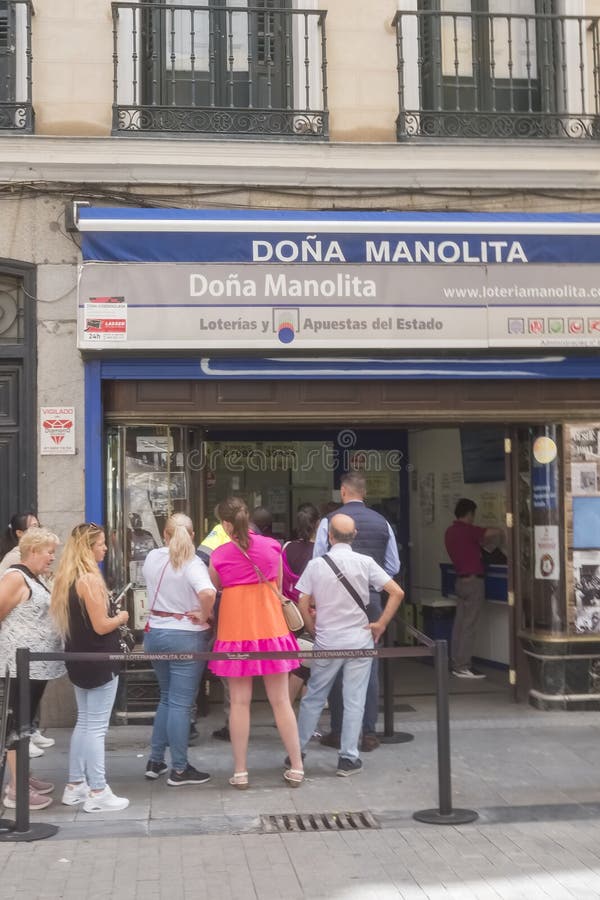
(214, 55)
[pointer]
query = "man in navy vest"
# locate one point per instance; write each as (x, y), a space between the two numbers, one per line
(374, 538)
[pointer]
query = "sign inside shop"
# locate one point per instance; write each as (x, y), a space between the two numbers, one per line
(181, 279)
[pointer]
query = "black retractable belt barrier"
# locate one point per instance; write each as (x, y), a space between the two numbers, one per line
(445, 815)
(23, 829)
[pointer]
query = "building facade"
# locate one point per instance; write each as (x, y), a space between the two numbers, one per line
(454, 107)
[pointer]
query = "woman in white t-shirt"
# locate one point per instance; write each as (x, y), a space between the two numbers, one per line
(180, 598)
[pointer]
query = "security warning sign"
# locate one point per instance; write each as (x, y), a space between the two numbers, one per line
(105, 320)
(57, 430)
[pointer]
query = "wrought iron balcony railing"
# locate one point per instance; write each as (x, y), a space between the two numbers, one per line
(220, 69)
(498, 75)
(16, 110)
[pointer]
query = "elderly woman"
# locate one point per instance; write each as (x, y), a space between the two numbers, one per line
(25, 622)
(80, 607)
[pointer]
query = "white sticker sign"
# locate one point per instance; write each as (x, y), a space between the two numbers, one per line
(547, 553)
(57, 430)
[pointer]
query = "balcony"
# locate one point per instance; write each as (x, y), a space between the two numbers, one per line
(483, 75)
(220, 70)
(16, 110)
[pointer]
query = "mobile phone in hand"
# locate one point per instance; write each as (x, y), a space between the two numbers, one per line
(121, 595)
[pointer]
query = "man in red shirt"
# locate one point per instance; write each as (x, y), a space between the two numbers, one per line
(464, 541)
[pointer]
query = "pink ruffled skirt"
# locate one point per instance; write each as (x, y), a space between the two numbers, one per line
(240, 668)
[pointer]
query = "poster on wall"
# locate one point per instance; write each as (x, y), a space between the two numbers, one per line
(547, 550)
(586, 579)
(427, 498)
(585, 443)
(584, 478)
(57, 430)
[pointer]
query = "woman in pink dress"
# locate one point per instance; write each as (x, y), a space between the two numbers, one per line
(248, 571)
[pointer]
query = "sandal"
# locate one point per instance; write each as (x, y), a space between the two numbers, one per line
(239, 780)
(294, 777)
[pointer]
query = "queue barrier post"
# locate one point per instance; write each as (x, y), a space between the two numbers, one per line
(5, 824)
(23, 829)
(445, 814)
(390, 736)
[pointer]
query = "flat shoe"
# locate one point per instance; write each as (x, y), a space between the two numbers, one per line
(294, 777)
(239, 780)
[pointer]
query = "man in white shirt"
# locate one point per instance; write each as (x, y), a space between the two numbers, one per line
(342, 624)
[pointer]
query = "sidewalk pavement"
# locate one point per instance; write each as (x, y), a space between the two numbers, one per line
(532, 776)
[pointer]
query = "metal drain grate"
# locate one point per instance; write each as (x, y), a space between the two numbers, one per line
(339, 821)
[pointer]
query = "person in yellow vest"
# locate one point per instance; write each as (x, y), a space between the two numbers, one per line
(215, 538)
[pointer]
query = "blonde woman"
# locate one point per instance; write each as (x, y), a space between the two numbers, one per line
(25, 622)
(181, 598)
(81, 610)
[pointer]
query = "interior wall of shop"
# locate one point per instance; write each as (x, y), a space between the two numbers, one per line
(436, 459)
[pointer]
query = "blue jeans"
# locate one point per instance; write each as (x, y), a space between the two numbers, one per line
(336, 705)
(323, 672)
(178, 681)
(86, 754)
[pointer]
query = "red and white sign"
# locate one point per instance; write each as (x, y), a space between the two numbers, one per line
(105, 319)
(57, 430)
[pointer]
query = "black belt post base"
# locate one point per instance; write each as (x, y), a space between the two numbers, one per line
(23, 830)
(390, 736)
(445, 814)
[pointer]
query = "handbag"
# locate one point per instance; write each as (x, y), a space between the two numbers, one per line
(127, 639)
(291, 613)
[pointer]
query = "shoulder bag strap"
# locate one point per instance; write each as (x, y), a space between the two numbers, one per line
(158, 586)
(344, 581)
(260, 574)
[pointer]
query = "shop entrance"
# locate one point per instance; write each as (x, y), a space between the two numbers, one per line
(415, 476)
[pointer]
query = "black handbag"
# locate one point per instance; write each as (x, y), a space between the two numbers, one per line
(127, 639)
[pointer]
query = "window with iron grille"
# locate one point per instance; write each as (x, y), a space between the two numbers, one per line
(499, 68)
(16, 112)
(196, 65)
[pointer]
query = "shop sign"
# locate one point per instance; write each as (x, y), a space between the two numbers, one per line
(176, 279)
(57, 430)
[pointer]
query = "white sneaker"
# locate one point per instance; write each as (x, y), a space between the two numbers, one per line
(40, 740)
(75, 793)
(105, 801)
(34, 750)
(467, 673)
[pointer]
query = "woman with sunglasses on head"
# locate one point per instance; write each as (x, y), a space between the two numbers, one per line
(25, 621)
(80, 606)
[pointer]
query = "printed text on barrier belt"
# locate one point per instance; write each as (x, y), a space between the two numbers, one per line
(344, 581)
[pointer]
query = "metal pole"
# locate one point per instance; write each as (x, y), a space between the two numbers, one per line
(444, 815)
(389, 736)
(443, 727)
(24, 729)
(23, 829)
